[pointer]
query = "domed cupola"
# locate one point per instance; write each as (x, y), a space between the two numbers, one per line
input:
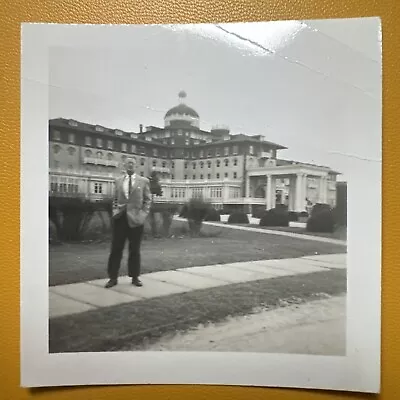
(182, 114)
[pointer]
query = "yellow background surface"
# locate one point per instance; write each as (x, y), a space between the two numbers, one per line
(12, 13)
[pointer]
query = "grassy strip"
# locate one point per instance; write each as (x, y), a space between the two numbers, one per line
(133, 325)
(78, 262)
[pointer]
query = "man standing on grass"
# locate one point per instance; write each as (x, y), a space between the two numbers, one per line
(131, 207)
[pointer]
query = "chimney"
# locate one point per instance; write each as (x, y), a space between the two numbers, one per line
(141, 128)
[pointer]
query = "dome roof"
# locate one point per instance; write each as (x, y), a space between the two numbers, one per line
(182, 109)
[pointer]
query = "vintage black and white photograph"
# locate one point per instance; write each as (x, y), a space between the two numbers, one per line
(199, 189)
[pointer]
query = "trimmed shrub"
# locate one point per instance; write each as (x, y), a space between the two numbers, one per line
(196, 211)
(238, 218)
(293, 217)
(322, 221)
(258, 212)
(212, 215)
(303, 214)
(183, 212)
(275, 217)
(318, 207)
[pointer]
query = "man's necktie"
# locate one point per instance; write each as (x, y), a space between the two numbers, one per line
(130, 185)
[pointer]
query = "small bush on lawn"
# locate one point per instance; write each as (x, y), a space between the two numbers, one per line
(212, 215)
(275, 217)
(303, 214)
(238, 218)
(196, 212)
(322, 221)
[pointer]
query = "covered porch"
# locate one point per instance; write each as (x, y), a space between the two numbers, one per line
(296, 186)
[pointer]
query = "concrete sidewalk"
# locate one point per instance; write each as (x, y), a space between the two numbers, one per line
(222, 224)
(79, 297)
(317, 327)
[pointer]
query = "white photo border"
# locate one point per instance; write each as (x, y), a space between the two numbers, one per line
(358, 371)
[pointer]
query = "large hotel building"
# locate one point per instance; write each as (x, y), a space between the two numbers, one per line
(231, 171)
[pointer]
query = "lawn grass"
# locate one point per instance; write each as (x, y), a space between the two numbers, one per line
(134, 326)
(77, 262)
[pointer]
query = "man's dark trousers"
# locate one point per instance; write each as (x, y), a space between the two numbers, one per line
(122, 232)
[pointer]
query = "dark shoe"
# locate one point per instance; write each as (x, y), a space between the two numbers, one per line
(137, 282)
(111, 283)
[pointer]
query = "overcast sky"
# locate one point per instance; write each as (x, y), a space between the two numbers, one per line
(313, 87)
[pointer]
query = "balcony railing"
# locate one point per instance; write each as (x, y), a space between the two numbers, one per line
(100, 161)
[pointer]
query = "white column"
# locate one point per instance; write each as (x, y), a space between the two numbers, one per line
(322, 190)
(300, 206)
(268, 192)
(273, 192)
(247, 194)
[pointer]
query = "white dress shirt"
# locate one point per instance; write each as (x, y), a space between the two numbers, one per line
(126, 184)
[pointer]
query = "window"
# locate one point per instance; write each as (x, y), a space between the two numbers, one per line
(88, 141)
(72, 123)
(217, 152)
(164, 164)
(57, 164)
(226, 162)
(201, 153)
(141, 173)
(118, 132)
(124, 147)
(187, 142)
(172, 141)
(98, 188)
(172, 176)
(110, 156)
(202, 165)
(226, 151)
(142, 161)
(155, 152)
(186, 133)
(209, 153)
(226, 174)
(235, 175)
(251, 149)
(186, 165)
(235, 149)
(71, 138)
(88, 153)
(70, 167)
(208, 176)
(194, 165)
(99, 142)
(99, 154)
(209, 164)
(235, 162)
(71, 151)
(180, 133)
(218, 176)
(201, 176)
(133, 148)
(154, 163)
(172, 164)
(99, 128)
(56, 135)
(185, 177)
(218, 163)
(109, 144)
(194, 177)
(56, 149)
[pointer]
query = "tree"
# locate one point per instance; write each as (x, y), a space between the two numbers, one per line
(155, 187)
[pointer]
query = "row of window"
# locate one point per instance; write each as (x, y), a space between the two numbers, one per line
(133, 148)
(218, 163)
(217, 176)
